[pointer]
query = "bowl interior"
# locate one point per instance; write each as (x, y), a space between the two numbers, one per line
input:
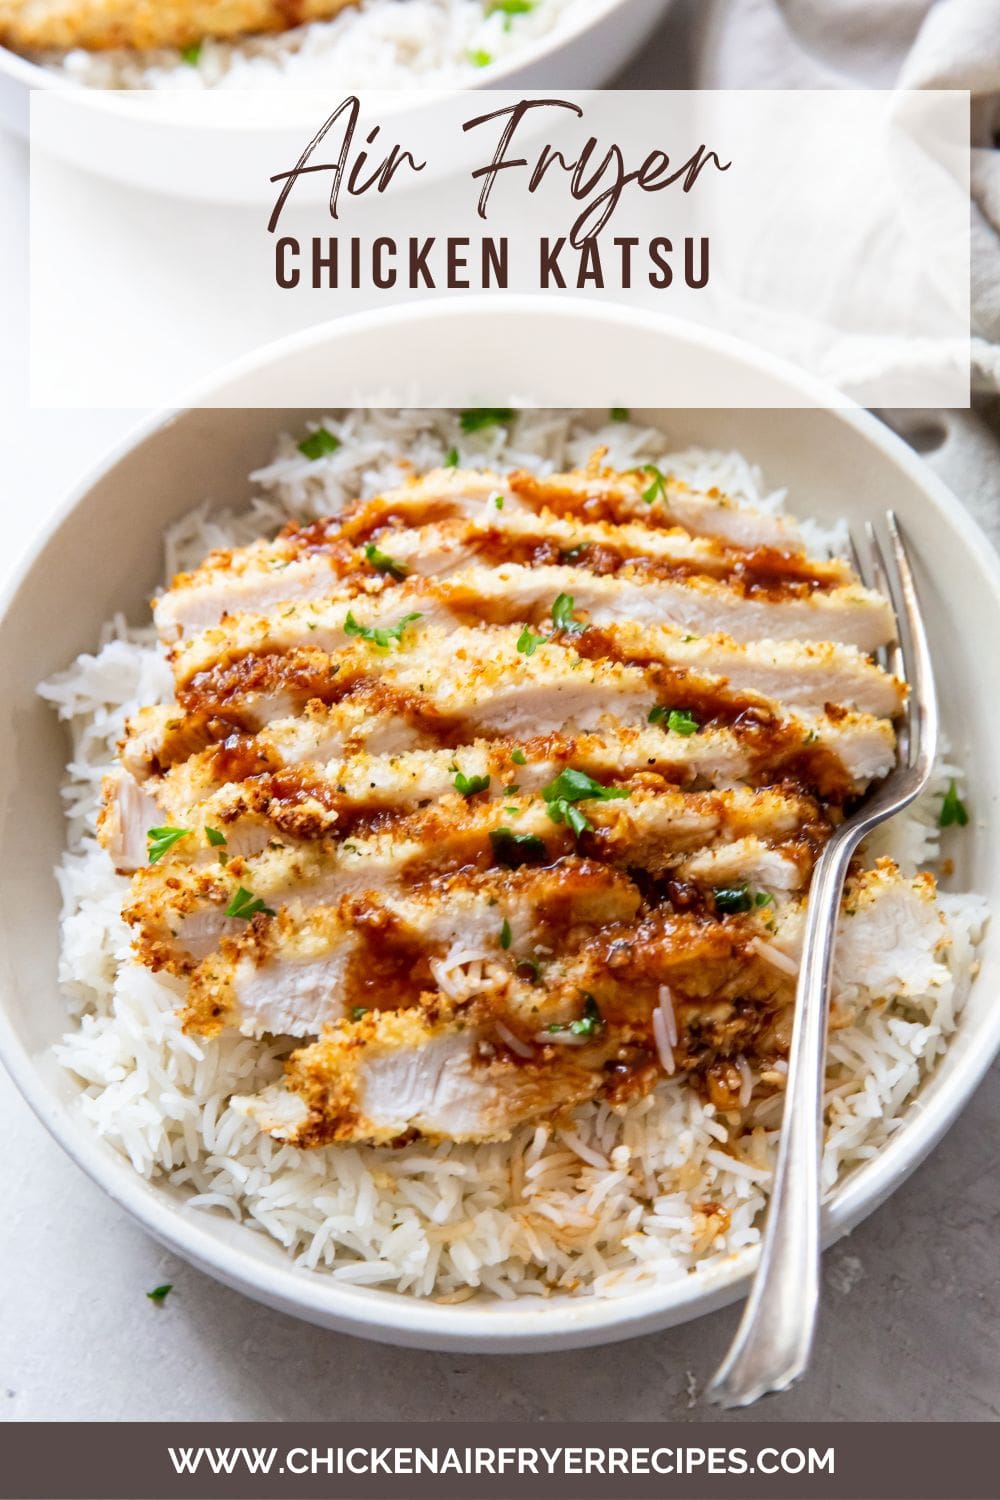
(105, 555)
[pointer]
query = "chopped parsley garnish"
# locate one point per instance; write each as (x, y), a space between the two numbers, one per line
(215, 838)
(513, 849)
(658, 489)
(383, 563)
(452, 459)
(589, 1022)
(246, 905)
(518, 757)
(505, 935)
(318, 444)
(528, 642)
(160, 840)
(160, 1293)
(620, 414)
(733, 899)
(510, 7)
(509, 791)
(953, 809)
(486, 416)
(481, 59)
(763, 898)
(572, 786)
(562, 614)
(192, 55)
(470, 785)
(382, 636)
(679, 720)
(498, 502)
(358, 1011)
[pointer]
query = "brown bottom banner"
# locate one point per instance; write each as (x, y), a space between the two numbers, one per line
(499, 1461)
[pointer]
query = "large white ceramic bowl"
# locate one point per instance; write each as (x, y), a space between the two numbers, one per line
(103, 554)
(584, 52)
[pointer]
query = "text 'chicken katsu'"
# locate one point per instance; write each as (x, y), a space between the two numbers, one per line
(503, 793)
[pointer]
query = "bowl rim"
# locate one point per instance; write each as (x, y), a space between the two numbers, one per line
(34, 76)
(472, 1326)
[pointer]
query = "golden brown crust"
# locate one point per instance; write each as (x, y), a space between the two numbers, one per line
(100, 25)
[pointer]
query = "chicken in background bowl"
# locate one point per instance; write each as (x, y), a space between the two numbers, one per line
(115, 44)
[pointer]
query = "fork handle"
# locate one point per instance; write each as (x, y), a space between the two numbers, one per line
(772, 1344)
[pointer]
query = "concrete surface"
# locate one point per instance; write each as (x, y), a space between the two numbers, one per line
(909, 1330)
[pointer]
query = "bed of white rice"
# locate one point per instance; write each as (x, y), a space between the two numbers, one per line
(380, 44)
(589, 1206)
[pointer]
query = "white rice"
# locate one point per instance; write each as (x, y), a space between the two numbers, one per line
(380, 44)
(595, 1208)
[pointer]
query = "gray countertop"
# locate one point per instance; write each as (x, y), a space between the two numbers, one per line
(909, 1328)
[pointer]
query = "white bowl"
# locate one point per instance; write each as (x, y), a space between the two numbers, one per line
(104, 554)
(583, 54)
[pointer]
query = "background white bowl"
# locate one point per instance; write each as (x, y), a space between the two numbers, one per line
(104, 554)
(583, 54)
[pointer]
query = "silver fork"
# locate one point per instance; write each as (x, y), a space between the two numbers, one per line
(772, 1344)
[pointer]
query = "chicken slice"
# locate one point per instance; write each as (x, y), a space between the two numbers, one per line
(511, 594)
(306, 799)
(444, 1075)
(40, 25)
(319, 562)
(463, 933)
(180, 910)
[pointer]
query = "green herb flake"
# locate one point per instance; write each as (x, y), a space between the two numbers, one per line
(569, 788)
(509, 791)
(682, 721)
(161, 840)
(510, 7)
(160, 1293)
(505, 935)
(590, 1021)
(658, 489)
(513, 849)
(953, 809)
(358, 1011)
(245, 905)
(620, 414)
(562, 614)
(452, 459)
(498, 502)
(732, 900)
(215, 838)
(382, 637)
(192, 55)
(518, 757)
(470, 785)
(319, 444)
(763, 898)
(479, 418)
(528, 642)
(480, 59)
(383, 563)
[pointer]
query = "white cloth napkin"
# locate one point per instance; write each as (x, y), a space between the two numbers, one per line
(717, 44)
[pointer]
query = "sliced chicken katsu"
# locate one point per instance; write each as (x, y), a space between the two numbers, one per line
(452, 517)
(461, 933)
(322, 562)
(502, 792)
(511, 594)
(96, 25)
(182, 910)
(303, 798)
(640, 999)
